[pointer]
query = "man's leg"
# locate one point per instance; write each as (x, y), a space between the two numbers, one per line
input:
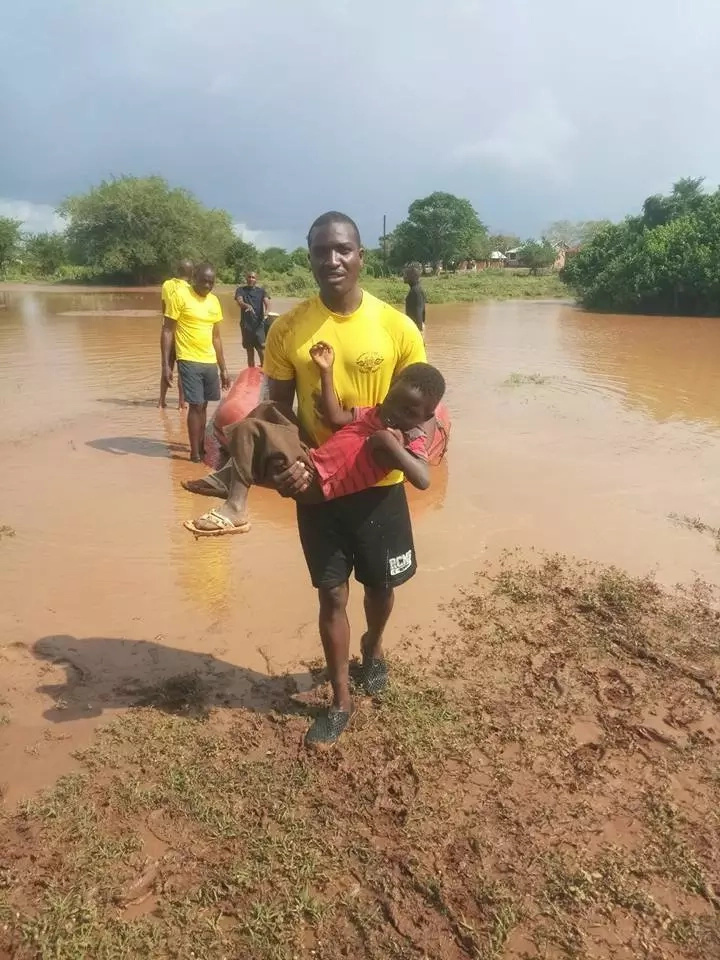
(330, 565)
(335, 637)
(197, 415)
(384, 557)
(379, 602)
(251, 356)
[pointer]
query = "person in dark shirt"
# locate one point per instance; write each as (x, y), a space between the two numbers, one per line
(415, 300)
(253, 302)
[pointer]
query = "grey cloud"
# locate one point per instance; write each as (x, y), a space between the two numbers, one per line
(276, 111)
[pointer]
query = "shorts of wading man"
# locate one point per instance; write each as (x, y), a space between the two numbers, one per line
(200, 381)
(253, 337)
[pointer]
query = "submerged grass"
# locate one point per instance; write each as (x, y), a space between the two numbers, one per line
(544, 784)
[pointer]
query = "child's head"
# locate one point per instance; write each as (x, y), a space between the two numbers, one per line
(414, 394)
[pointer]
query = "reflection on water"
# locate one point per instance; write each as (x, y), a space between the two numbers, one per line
(622, 429)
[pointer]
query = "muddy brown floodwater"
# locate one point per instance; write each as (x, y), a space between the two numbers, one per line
(572, 432)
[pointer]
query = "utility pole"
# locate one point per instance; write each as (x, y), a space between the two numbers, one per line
(384, 237)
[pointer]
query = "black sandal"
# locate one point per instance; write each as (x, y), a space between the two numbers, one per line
(327, 728)
(373, 672)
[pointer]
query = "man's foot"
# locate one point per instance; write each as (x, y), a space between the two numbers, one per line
(217, 523)
(373, 672)
(207, 487)
(162, 404)
(327, 729)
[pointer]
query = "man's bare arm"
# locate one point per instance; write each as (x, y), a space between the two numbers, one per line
(167, 339)
(220, 356)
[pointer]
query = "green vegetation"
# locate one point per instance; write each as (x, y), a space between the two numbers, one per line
(491, 284)
(133, 230)
(543, 783)
(667, 260)
(440, 230)
(9, 241)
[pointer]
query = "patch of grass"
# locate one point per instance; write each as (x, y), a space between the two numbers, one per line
(447, 288)
(695, 523)
(525, 379)
(504, 795)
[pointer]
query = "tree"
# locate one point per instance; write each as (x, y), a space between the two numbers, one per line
(299, 257)
(9, 241)
(137, 228)
(504, 242)
(537, 255)
(276, 260)
(242, 257)
(564, 234)
(44, 253)
(439, 229)
(667, 260)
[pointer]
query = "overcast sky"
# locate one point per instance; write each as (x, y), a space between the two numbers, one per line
(535, 110)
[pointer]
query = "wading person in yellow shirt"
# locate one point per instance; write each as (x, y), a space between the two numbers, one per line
(367, 532)
(191, 323)
(181, 279)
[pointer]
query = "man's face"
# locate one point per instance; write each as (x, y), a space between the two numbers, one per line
(336, 258)
(251, 279)
(204, 282)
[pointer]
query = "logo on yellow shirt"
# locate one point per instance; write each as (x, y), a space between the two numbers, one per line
(370, 361)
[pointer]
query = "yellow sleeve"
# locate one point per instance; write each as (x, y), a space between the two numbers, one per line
(173, 305)
(276, 364)
(165, 295)
(411, 347)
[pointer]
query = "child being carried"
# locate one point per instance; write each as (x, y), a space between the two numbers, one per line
(367, 444)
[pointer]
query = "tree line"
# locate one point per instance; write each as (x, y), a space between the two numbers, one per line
(666, 260)
(134, 230)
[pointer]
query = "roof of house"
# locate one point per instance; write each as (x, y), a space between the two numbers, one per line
(497, 255)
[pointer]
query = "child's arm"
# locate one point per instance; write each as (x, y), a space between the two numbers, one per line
(389, 452)
(324, 357)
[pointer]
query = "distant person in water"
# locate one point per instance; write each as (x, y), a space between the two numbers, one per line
(192, 320)
(415, 299)
(254, 304)
(367, 443)
(182, 277)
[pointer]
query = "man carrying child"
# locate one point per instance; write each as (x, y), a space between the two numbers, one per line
(369, 531)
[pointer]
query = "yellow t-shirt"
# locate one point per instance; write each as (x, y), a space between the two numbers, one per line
(196, 316)
(168, 289)
(371, 345)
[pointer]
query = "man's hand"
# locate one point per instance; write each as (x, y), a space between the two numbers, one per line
(167, 376)
(323, 355)
(294, 480)
(224, 380)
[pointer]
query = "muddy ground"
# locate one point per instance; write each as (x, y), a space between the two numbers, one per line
(544, 783)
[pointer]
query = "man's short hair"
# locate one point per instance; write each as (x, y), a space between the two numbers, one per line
(426, 379)
(334, 216)
(414, 268)
(203, 267)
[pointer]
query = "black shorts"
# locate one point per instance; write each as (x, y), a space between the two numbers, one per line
(253, 337)
(368, 532)
(200, 381)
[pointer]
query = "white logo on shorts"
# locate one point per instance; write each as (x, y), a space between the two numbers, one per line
(400, 564)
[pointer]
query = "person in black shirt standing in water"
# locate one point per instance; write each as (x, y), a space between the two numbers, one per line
(253, 302)
(415, 300)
